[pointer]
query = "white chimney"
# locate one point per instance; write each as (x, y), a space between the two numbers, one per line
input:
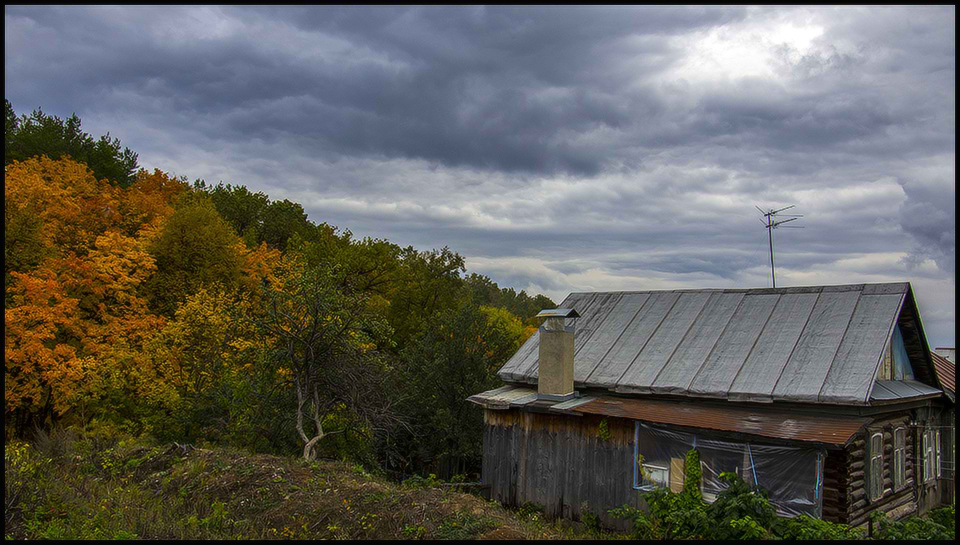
(555, 368)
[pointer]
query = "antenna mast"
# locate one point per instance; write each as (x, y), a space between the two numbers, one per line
(772, 223)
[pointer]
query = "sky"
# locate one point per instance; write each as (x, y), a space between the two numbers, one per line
(557, 149)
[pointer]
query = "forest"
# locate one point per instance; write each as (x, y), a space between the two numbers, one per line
(205, 313)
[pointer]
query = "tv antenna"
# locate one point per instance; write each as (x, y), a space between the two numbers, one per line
(772, 223)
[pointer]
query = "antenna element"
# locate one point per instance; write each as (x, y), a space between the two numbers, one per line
(772, 223)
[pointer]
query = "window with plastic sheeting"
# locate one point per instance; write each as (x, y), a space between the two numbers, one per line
(896, 362)
(660, 457)
(792, 476)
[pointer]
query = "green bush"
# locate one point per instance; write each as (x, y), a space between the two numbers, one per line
(670, 515)
(911, 528)
(740, 509)
(945, 516)
(744, 512)
(806, 527)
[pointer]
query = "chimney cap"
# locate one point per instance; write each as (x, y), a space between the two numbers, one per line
(558, 313)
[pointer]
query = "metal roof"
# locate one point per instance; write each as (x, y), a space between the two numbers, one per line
(558, 313)
(793, 426)
(756, 421)
(817, 344)
(947, 374)
(896, 390)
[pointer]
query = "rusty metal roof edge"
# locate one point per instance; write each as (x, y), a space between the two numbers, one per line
(863, 421)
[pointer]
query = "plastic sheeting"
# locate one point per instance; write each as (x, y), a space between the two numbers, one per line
(792, 476)
(901, 362)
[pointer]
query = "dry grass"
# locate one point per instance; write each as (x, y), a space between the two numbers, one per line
(89, 487)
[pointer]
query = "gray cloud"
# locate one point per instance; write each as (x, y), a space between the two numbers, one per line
(557, 148)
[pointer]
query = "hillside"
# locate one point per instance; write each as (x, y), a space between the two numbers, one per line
(99, 487)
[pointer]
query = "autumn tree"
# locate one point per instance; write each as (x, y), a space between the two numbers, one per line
(195, 248)
(43, 372)
(40, 134)
(326, 339)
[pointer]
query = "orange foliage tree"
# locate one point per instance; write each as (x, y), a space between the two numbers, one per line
(74, 310)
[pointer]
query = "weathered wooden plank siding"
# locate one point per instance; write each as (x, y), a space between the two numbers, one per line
(562, 463)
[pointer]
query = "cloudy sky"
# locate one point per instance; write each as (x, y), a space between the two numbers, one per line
(557, 149)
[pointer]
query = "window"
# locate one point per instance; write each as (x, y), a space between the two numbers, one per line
(938, 454)
(899, 458)
(876, 465)
(928, 457)
(654, 476)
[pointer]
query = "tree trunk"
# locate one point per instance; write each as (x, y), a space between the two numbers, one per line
(309, 450)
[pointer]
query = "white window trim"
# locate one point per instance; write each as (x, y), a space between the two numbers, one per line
(651, 485)
(928, 456)
(899, 458)
(876, 474)
(938, 454)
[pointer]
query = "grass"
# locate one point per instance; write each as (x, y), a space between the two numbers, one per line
(75, 485)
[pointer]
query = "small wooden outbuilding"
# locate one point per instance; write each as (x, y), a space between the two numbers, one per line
(827, 396)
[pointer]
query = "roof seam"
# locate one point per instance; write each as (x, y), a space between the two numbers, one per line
(795, 344)
(645, 343)
(754, 345)
(839, 344)
(743, 296)
(625, 328)
(683, 338)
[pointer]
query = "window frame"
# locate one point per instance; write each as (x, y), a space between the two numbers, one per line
(875, 467)
(899, 457)
(648, 485)
(938, 453)
(928, 457)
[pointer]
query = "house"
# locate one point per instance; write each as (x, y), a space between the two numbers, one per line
(827, 396)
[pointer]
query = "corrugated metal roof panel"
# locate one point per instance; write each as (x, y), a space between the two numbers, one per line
(813, 344)
(729, 354)
(889, 390)
(854, 368)
(634, 338)
(693, 351)
(758, 376)
(882, 393)
(657, 351)
(592, 353)
(822, 429)
(802, 377)
(946, 372)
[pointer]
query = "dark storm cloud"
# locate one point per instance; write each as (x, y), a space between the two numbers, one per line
(489, 88)
(558, 148)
